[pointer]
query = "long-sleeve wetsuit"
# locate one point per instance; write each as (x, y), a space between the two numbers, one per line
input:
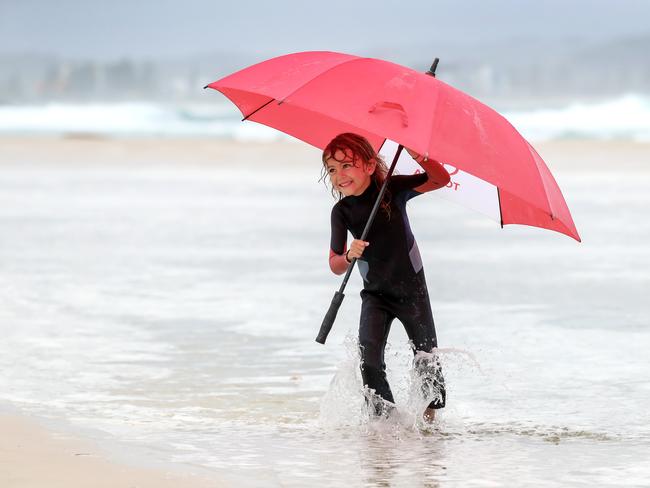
(393, 283)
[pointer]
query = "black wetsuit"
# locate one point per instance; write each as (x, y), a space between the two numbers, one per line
(393, 284)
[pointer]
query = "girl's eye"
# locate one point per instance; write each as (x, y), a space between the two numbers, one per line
(346, 165)
(330, 171)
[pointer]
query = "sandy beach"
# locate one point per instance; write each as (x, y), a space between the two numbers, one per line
(122, 335)
(32, 456)
(72, 150)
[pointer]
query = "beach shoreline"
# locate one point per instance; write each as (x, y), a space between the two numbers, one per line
(143, 152)
(35, 455)
(78, 150)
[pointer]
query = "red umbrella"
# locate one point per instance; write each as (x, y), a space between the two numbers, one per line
(315, 96)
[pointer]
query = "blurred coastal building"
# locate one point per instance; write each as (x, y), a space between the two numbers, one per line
(519, 73)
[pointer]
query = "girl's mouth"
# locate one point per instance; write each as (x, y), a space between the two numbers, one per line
(345, 184)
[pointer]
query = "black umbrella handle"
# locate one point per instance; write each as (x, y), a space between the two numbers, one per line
(330, 316)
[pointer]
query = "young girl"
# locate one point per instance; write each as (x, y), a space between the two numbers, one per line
(389, 261)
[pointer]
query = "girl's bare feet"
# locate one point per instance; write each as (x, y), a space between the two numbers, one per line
(429, 415)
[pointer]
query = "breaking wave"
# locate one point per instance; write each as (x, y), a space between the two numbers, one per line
(624, 117)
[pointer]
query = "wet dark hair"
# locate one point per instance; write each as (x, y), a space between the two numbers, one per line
(362, 152)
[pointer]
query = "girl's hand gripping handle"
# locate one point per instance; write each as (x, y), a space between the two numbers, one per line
(356, 249)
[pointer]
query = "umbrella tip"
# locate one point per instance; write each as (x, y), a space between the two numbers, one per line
(432, 70)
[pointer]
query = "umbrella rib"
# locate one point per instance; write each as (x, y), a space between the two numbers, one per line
(534, 153)
(319, 75)
(280, 102)
(500, 211)
(257, 109)
(553, 218)
(359, 130)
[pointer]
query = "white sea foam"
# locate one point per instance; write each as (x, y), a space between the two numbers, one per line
(626, 117)
(132, 119)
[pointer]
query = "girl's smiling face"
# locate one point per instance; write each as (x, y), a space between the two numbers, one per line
(348, 173)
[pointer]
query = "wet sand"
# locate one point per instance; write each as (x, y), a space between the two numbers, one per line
(34, 456)
(565, 155)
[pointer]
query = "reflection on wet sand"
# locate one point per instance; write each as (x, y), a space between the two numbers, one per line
(392, 456)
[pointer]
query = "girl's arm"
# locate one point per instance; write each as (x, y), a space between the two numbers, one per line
(437, 176)
(338, 263)
(338, 242)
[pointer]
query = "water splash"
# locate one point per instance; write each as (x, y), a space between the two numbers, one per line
(347, 403)
(344, 404)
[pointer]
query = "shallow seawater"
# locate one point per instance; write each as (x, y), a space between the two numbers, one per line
(175, 309)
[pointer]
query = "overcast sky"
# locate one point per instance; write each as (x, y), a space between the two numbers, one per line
(111, 29)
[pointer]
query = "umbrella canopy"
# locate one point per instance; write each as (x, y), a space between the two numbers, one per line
(315, 96)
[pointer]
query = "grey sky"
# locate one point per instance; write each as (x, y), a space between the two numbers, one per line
(164, 28)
